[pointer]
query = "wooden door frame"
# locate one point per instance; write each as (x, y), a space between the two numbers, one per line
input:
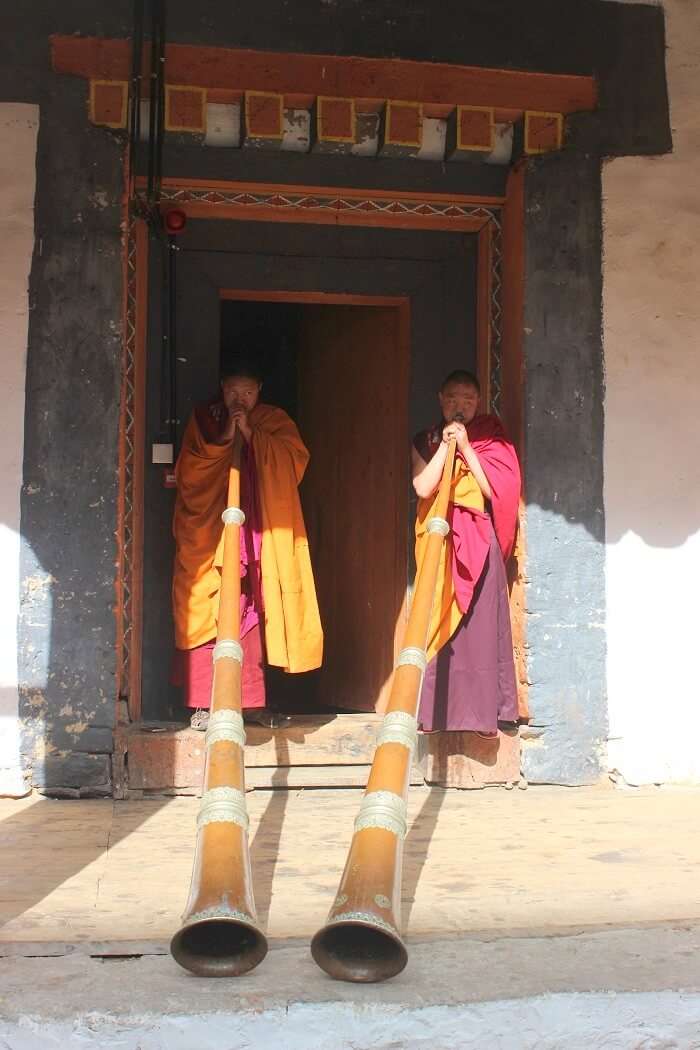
(498, 223)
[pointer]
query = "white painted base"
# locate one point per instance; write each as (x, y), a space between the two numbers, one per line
(578, 1022)
(18, 131)
(652, 470)
(618, 989)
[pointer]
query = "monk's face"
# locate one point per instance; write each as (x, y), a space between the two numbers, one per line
(240, 392)
(459, 397)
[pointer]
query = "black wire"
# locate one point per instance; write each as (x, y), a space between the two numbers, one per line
(159, 6)
(165, 315)
(168, 353)
(153, 104)
(172, 332)
(136, 74)
(164, 244)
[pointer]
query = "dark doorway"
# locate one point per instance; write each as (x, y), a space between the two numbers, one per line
(268, 333)
(341, 371)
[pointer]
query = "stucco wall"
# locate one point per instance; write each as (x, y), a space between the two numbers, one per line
(652, 407)
(18, 133)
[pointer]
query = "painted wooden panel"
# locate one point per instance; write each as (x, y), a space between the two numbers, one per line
(467, 760)
(310, 752)
(339, 75)
(353, 367)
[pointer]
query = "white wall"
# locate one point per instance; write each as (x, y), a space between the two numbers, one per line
(652, 436)
(18, 132)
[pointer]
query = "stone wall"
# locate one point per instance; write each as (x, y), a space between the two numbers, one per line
(565, 591)
(67, 628)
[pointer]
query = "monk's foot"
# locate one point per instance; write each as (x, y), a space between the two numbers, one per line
(265, 716)
(200, 719)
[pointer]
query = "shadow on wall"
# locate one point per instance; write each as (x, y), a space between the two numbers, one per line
(611, 493)
(650, 466)
(652, 474)
(600, 411)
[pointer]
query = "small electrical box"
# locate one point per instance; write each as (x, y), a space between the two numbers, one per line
(162, 453)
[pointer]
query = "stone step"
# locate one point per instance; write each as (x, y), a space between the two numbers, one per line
(312, 751)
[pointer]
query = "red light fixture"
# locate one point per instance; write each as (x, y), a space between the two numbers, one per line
(174, 220)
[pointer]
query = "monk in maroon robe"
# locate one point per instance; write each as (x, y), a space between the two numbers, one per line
(470, 681)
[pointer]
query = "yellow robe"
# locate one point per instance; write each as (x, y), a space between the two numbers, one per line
(446, 614)
(293, 634)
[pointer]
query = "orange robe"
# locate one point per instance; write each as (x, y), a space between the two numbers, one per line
(446, 614)
(293, 634)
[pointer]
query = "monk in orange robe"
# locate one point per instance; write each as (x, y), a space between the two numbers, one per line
(280, 623)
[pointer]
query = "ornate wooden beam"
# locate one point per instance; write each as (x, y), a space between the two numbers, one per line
(506, 91)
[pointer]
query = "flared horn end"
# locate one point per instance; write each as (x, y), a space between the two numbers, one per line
(359, 950)
(218, 946)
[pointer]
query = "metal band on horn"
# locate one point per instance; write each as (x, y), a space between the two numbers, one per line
(233, 516)
(413, 656)
(223, 804)
(228, 648)
(398, 727)
(382, 809)
(225, 725)
(368, 917)
(440, 525)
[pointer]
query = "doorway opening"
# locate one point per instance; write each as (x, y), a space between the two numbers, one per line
(341, 328)
(339, 365)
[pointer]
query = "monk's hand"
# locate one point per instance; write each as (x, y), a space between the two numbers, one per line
(239, 417)
(457, 431)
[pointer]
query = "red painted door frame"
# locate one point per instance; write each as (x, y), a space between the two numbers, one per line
(499, 225)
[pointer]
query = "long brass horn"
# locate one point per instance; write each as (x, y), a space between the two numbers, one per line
(220, 936)
(361, 939)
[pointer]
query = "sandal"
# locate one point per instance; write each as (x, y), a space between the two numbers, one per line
(200, 719)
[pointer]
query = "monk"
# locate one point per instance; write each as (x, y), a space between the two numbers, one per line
(280, 624)
(469, 682)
